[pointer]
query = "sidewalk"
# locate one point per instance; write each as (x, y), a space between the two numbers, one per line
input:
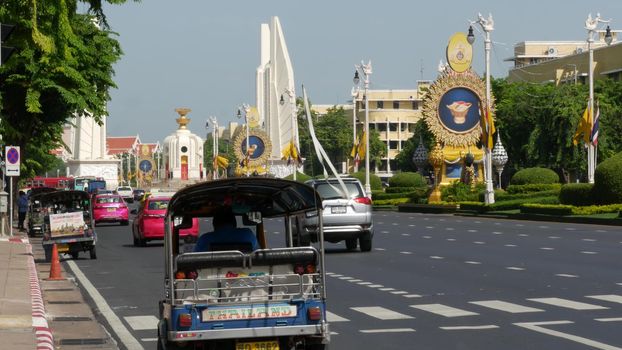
(36, 313)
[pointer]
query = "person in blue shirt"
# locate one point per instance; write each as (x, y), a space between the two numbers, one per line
(226, 236)
(22, 209)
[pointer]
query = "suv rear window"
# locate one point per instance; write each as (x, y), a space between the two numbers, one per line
(124, 189)
(109, 200)
(333, 190)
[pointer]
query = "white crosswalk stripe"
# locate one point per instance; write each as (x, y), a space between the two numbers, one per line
(608, 297)
(570, 304)
(331, 317)
(505, 306)
(141, 323)
(381, 313)
(444, 310)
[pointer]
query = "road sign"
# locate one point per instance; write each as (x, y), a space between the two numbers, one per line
(12, 160)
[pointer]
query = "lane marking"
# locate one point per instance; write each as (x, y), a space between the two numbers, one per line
(510, 245)
(570, 229)
(412, 296)
(354, 280)
(388, 289)
(436, 257)
(459, 328)
(406, 253)
(523, 235)
(588, 240)
(566, 275)
(381, 313)
(336, 275)
(570, 304)
(535, 326)
(427, 237)
(113, 320)
(497, 233)
(331, 317)
(547, 248)
(449, 228)
(399, 292)
(588, 252)
(479, 242)
(608, 297)
(515, 268)
(554, 237)
(375, 285)
(612, 319)
(505, 306)
(543, 227)
(473, 262)
(364, 283)
(142, 323)
(430, 227)
(388, 330)
(472, 231)
(380, 249)
(148, 339)
(346, 278)
(406, 234)
(444, 310)
(451, 239)
(519, 225)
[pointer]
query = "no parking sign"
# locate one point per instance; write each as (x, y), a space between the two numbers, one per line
(12, 160)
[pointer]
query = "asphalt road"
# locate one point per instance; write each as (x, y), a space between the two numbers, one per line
(430, 282)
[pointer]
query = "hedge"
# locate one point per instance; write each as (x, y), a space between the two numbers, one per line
(374, 181)
(577, 194)
(562, 209)
(608, 181)
(507, 205)
(394, 201)
(393, 195)
(513, 189)
(399, 189)
(504, 196)
(534, 176)
(407, 179)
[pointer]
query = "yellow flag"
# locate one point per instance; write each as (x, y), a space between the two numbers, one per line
(362, 146)
(354, 148)
(222, 162)
(287, 151)
(584, 127)
(490, 121)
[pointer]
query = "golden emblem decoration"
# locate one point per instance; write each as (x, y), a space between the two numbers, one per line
(260, 149)
(452, 108)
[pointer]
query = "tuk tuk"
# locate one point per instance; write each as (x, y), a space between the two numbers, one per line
(35, 215)
(233, 298)
(68, 223)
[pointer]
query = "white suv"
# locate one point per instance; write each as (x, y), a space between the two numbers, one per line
(345, 218)
(126, 193)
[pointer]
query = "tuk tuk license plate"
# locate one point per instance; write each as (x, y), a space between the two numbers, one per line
(62, 248)
(338, 210)
(258, 345)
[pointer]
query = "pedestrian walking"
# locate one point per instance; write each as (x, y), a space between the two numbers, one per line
(22, 209)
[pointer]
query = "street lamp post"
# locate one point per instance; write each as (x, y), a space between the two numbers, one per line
(215, 135)
(246, 109)
(355, 93)
(487, 26)
(590, 25)
(366, 70)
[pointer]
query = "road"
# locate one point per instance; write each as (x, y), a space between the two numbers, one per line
(430, 282)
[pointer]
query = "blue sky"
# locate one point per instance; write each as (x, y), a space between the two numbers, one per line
(202, 54)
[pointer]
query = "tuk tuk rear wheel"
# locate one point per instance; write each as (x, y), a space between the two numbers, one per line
(351, 244)
(93, 253)
(74, 254)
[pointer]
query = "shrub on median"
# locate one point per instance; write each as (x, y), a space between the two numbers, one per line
(534, 176)
(608, 181)
(576, 194)
(530, 188)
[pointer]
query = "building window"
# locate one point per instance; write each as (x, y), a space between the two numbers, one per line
(396, 104)
(380, 104)
(415, 105)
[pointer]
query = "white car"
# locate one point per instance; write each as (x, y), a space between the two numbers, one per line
(126, 193)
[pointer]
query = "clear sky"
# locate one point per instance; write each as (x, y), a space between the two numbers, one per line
(202, 54)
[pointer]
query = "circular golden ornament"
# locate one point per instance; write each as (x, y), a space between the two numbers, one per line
(259, 144)
(453, 106)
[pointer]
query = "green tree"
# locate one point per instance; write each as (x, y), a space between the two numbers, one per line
(63, 66)
(404, 158)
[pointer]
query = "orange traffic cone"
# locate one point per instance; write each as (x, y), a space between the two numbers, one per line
(55, 274)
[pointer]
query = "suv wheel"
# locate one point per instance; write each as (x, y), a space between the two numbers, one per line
(351, 244)
(365, 242)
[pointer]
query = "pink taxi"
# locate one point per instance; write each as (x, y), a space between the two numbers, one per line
(110, 208)
(149, 222)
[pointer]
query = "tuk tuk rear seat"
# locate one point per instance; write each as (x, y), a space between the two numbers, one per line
(262, 275)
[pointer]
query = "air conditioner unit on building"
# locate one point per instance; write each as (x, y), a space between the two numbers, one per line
(579, 50)
(551, 51)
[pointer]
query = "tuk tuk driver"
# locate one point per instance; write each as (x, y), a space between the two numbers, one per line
(227, 234)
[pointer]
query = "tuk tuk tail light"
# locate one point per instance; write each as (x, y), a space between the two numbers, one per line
(192, 275)
(310, 269)
(185, 320)
(314, 313)
(180, 275)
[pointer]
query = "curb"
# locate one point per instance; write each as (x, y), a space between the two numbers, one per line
(45, 339)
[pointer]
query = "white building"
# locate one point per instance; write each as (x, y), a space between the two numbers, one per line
(183, 151)
(86, 154)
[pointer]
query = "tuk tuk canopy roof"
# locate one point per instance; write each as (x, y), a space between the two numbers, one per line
(272, 197)
(63, 197)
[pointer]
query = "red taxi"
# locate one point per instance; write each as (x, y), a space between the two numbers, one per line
(149, 222)
(110, 208)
